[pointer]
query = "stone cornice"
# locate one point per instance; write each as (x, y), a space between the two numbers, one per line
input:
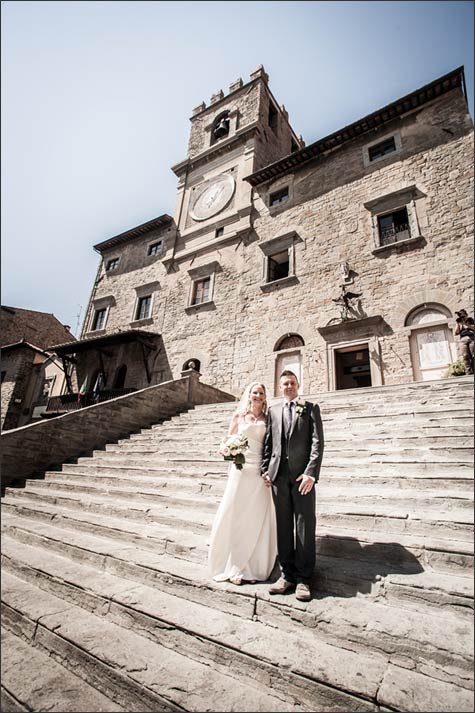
(382, 116)
(160, 222)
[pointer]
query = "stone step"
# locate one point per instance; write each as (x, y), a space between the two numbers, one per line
(424, 489)
(175, 492)
(386, 515)
(402, 465)
(442, 547)
(337, 440)
(367, 449)
(364, 572)
(146, 673)
(364, 417)
(45, 677)
(214, 433)
(218, 468)
(189, 627)
(142, 554)
(328, 473)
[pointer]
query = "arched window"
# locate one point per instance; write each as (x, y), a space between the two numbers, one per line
(193, 364)
(289, 350)
(431, 341)
(220, 127)
(427, 313)
(120, 375)
(290, 341)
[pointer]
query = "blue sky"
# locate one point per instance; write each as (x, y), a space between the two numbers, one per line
(96, 100)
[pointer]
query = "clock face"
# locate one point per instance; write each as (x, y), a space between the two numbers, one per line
(214, 197)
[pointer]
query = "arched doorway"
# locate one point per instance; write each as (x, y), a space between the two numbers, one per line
(431, 341)
(289, 356)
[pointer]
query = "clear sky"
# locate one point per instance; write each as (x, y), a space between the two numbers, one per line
(96, 100)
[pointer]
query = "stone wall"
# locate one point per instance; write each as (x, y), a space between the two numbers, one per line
(236, 336)
(18, 365)
(39, 446)
(236, 333)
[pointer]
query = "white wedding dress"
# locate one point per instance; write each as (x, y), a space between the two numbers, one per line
(243, 539)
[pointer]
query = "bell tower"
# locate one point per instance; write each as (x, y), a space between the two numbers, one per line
(235, 135)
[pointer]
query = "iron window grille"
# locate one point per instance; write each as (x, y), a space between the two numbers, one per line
(394, 227)
(382, 149)
(155, 248)
(279, 197)
(112, 264)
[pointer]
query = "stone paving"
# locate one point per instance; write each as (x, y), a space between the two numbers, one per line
(107, 606)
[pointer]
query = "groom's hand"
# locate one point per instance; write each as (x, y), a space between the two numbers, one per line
(266, 479)
(306, 485)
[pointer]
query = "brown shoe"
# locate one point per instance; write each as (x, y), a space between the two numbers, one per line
(281, 586)
(302, 593)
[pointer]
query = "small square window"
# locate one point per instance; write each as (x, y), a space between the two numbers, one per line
(219, 232)
(393, 227)
(155, 248)
(279, 197)
(112, 264)
(382, 149)
(201, 291)
(143, 307)
(278, 266)
(99, 320)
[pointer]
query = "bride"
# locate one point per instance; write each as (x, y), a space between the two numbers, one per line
(243, 544)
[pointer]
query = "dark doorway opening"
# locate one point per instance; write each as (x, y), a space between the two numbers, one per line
(120, 375)
(352, 367)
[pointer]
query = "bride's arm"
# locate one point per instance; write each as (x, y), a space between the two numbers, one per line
(233, 428)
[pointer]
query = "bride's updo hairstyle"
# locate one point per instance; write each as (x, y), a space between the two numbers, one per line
(245, 402)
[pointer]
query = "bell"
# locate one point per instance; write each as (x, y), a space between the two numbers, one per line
(221, 129)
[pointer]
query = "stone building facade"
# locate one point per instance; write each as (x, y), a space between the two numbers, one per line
(344, 260)
(30, 373)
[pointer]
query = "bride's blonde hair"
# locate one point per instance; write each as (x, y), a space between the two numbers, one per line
(245, 403)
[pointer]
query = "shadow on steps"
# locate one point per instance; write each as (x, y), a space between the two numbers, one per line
(346, 567)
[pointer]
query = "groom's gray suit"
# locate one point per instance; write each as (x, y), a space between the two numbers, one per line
(285, 458)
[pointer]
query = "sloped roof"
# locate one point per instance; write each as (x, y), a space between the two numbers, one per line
(38, 328)
(137, 232)
(83, 345)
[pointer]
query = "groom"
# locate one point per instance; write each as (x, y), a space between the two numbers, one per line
(293, 450)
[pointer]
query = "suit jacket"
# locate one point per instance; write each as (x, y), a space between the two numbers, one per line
(305, 445)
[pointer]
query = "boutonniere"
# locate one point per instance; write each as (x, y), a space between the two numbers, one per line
(300, 408)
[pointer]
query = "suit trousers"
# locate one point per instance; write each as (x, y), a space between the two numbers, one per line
(296, 522)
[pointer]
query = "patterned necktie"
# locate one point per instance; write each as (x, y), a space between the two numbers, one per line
(288, 417)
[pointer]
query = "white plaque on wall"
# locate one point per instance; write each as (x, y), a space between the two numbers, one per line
(433, 349)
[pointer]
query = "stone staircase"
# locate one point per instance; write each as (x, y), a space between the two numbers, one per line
(107, 605)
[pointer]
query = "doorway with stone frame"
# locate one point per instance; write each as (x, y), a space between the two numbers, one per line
(352, 367)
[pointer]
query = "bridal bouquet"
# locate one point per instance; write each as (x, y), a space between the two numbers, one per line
(233, 448)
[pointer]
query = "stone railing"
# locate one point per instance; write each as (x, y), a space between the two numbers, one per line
(31, 449)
